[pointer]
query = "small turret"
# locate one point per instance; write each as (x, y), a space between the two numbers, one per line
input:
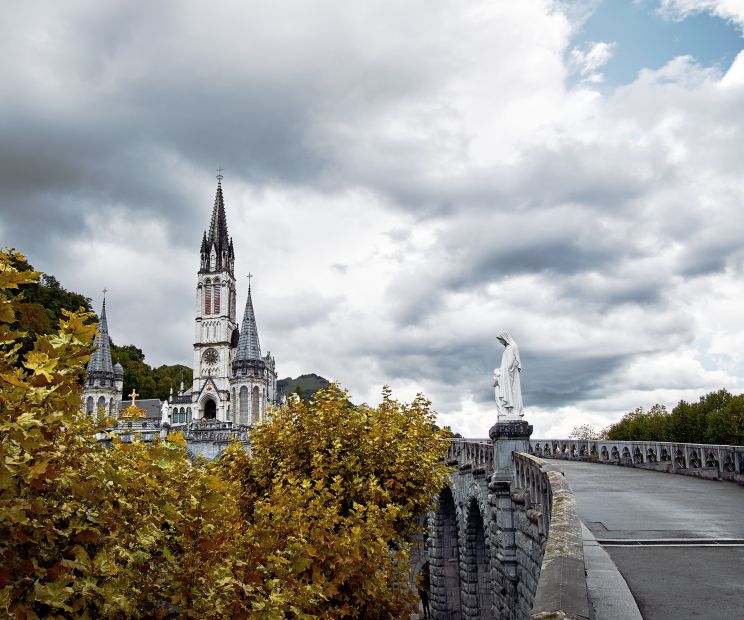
(100, 369)
(118, 377)
(104, 383)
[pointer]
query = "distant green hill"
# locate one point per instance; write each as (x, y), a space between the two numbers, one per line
(304, 385)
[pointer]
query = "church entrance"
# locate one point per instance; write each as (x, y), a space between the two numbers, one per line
(210, 410)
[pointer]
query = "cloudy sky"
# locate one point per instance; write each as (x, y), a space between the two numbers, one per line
(404, 179)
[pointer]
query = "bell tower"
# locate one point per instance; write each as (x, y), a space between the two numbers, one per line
(215, 336)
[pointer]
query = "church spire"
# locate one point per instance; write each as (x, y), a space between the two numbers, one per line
(217, 238)
(100, 361)
(218, 225)
(248, 346)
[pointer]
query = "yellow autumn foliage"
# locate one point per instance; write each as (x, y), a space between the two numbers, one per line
(93, 532)
(315, 523)
(332, 493)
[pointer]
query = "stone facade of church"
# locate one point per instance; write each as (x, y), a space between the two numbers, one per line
(233, 381)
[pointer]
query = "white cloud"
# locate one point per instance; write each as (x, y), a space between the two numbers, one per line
(732, 10)
(589, 58)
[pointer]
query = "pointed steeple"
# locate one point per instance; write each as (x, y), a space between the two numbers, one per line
(217, 237)
(218, 226)
(100, 361)
(248, 346)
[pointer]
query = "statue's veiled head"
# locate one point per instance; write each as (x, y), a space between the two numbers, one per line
(503, 337)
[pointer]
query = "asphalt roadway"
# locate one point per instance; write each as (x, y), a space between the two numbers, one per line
(678, 541)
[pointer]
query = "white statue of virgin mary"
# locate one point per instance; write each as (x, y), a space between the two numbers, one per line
(506, 379)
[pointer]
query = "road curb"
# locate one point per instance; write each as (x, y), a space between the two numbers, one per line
(608, 590)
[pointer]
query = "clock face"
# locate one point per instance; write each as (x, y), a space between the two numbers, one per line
(210, 356)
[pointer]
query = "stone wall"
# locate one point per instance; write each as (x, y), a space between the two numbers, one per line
(561, 590)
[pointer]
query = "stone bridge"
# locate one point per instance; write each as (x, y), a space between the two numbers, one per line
(505, 540)
(509, 542)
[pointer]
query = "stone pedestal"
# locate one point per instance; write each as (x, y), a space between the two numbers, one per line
(508, 436)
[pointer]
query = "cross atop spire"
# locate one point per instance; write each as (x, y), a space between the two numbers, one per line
(219, 174)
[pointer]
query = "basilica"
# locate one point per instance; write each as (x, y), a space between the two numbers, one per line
(232, 381)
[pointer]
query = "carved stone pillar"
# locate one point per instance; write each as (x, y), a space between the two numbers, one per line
(507, 437)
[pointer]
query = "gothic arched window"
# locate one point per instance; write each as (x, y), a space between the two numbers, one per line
(89, 406)
(244, 405)
(255, 404)
(207, 300)
(216, 298)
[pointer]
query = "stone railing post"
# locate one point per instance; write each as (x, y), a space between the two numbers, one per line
(507, 437)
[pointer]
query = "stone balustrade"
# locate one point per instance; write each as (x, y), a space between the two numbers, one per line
(475, 454)
(693, 459)
(215, 431)
(206, 438)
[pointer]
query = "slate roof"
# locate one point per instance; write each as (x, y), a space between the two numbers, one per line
(151, 406)
(249, 347)
(100, 361)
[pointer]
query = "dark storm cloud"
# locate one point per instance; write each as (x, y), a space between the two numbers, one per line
(119, 102)
(557, 380)
(608, 292)
(551, 379)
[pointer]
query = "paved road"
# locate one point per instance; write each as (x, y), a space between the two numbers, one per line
(678, 541)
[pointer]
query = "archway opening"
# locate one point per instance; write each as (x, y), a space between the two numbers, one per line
(210, 410)
(244, 405)
(478, 560)
(255, 404)
(444, 558)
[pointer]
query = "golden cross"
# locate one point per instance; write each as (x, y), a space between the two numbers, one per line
(133, 395)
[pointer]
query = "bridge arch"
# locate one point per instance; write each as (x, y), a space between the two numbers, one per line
(444, 558)
(475, 564)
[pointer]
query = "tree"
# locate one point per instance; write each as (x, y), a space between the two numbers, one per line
(585, 431)
(725, 425)
(40, 301)
(91, 532)
(148, 382)
(330, 494)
